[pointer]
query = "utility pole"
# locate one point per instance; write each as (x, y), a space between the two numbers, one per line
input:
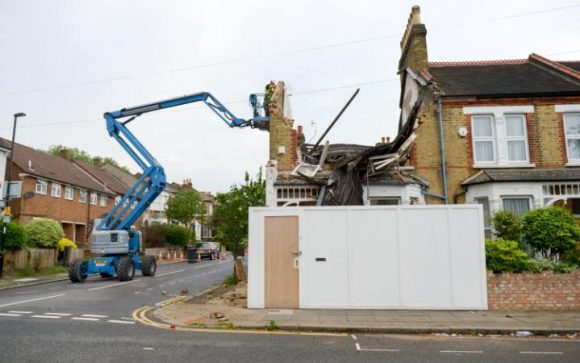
(6, 213)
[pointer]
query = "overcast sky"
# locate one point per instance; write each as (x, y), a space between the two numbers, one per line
(66, 62)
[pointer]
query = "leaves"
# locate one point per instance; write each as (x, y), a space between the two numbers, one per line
(551, 231)
(43, 232)
(186, 208)
(230, 217)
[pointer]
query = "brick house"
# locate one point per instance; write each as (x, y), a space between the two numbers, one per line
(505, 134)
(53, 187)
(4, 153)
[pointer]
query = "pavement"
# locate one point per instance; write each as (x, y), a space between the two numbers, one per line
(10, 282)
(186, 314)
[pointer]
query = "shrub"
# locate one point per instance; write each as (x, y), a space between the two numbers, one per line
(551, 231)
(572, 256)
(507, 226)
(505, 256)
(541, 264)
(15, 236)
(64, 243)
(176, 235)
(153, 236)
(43, 232)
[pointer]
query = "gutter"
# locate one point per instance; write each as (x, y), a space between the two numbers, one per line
(442, 151)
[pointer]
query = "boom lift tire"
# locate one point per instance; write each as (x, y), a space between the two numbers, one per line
(148, 265)
(77, 271)
(126, 269)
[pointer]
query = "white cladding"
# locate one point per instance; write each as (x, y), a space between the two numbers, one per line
(381, 257)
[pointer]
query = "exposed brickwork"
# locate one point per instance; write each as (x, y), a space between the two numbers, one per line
(529, 291)
(281, 131)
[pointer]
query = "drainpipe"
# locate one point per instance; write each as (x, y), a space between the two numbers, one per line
(442, 151)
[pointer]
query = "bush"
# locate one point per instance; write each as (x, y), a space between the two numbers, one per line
(505, 256)
(64, 243)
(176, 235)
(507, 226)
(153, 236)
(540, 265)
(43, 232)
(572, 256)
(550, 231)
(15, 236)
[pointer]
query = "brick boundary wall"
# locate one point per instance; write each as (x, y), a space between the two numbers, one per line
(533, 291)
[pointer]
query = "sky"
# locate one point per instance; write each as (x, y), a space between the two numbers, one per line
(66, 62)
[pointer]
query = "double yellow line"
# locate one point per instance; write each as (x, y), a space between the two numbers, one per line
(140, 315)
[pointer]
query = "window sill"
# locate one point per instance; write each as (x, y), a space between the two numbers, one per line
(504, 166)
(573, 163)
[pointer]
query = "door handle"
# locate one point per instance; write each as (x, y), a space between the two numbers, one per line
(296, 262)
(297, 253)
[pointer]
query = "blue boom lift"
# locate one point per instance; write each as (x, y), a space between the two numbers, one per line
(114, 239)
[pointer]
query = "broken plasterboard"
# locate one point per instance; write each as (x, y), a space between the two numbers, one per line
(305, 169)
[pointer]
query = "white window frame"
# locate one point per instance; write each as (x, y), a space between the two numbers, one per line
(93, 198)
(83, 195)
(67, 195)
(43, 186)
(492, 138)
(103, 200)
(499, 113)
(523, 138)
(570, 137)
(54, 191)
(524, 197)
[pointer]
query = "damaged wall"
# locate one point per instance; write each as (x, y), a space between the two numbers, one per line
(283, 137)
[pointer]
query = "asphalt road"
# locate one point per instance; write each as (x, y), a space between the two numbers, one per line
(64, 322)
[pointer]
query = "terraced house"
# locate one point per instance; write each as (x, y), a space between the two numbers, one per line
(502, 133)
(53, 187)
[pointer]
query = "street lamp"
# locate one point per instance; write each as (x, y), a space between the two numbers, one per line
(6, 213)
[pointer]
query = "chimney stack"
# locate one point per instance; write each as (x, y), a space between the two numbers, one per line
(64, 153)
(97, 161)
(414, 44)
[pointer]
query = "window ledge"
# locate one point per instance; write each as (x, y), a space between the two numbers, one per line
(573, 163)
(504, 166)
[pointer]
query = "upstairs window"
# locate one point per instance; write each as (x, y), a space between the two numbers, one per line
(103, 201)
(572, 129)
(483, 139)
(82, 196)
(68, 192)
(517, 146)
(94, 198)
(41, 186)
(55, 190)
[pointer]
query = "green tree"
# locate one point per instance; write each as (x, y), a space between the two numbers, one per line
(507, 226)
(230, 218)
(176, 235)
(43, 232)
(15, 236)
(186, 208)
(551, 231)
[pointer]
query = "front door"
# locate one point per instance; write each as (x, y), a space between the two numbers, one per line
(281, 268)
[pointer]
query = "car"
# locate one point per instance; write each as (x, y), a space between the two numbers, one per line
(217, 248)
(206, 250)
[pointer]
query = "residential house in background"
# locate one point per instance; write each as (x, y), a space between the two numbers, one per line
(504, 133)
(205, 228)
(53, 187)
(4, 153)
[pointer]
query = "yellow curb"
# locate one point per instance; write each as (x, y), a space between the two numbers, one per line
(140, 316)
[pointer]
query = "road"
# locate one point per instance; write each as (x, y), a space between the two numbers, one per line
(64, 322)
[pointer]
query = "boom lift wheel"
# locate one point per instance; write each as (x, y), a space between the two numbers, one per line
(77, 271)
(148, 266)
(126, 269)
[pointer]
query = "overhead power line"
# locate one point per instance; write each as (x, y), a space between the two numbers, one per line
(277, 54)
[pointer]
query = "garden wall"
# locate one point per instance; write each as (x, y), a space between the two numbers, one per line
(533, 291)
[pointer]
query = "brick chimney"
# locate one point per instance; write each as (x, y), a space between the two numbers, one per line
(64, 153)
(414, 44)
(97, 161)
(282, 136)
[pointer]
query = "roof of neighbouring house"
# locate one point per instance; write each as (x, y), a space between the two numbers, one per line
(42, 164)
(105, 177)
(535, 75)
(523, 175)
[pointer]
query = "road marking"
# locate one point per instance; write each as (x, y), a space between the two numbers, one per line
(94, 316)
(31, 300)
(359, 349)
(148, 348)
(124, 318)
(86, 319)
(357, 346)
(46, 316)
(149, 289)
(353, 336)
(120, 321)
(532, 352)
(138, 292)
(21, 312)
(170, 273)
(462, 351)
(113, 285)
(58, 314)
(10, 314)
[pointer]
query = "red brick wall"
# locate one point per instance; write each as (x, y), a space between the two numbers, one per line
(530, 291)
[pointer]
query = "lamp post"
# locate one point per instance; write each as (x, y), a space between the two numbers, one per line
(6, 212)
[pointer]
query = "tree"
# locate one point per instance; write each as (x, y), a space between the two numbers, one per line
(186, 208)
(230, 218)
(43, 232)
(551, 231)
(507, 226)
(15, 236)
